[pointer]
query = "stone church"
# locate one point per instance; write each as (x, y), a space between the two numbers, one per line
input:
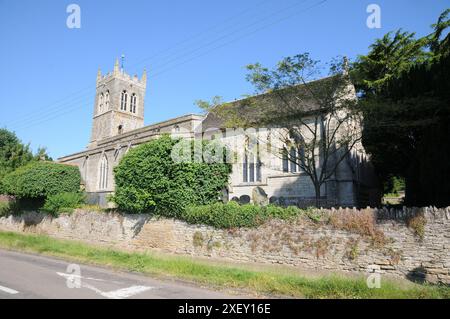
(118, 125)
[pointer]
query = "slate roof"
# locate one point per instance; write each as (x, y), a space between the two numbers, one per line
(256, 109)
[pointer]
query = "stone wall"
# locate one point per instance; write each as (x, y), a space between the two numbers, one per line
(415, 242)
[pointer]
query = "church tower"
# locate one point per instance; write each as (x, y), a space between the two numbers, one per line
(119, 104)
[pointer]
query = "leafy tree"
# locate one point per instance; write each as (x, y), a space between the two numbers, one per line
(319, 118)
(405, 98)
(388, 57)
(41, 155)
(437, 45)
(148, 180)
(13, 154)
(396, 53)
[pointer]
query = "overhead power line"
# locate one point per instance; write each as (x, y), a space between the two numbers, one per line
(57, 104)
(42, 118)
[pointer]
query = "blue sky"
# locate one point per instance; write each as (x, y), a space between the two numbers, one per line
(191, 49)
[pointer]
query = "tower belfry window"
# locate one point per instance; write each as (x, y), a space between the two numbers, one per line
(123, 100)
(107, 100)
(100, 103)
(133, 103)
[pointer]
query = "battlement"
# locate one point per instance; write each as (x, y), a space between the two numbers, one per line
(120, 73)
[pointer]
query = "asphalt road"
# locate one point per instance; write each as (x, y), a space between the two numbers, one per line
(32, 276)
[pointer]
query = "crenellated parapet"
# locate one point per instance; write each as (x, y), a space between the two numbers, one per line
(121, 74)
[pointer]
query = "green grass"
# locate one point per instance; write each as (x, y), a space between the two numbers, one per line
(260, 282)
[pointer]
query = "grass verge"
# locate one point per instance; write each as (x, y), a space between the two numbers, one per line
(261, 282)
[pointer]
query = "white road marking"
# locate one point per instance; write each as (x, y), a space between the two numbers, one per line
(125, 292)
(87, 278)
(9, 290)
(114, 294)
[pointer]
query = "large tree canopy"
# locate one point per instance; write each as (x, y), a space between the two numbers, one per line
(388, 57)
(404, 85)
(396, 53)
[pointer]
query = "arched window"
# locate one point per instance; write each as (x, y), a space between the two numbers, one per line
(258, 169)
(120, 129)
(103, 174)
(100, 103)
(107, 101)
(293, 159)
(123, 100)
(245, 169)
(133, 103)
(176, 128)
(301, 157)
(252, 166)
(285, 161)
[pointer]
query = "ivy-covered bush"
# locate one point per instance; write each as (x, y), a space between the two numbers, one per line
(148, 180)
(233, 215)
(63, 202)
(39, 180)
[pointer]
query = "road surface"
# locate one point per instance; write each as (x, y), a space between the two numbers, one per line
(32, 276)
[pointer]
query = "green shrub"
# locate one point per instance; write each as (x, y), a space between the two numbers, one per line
(63, 202)
(393, 186)
(220, 215)
(274, 211)
(233, 215)
(39, 180)
(149, 181)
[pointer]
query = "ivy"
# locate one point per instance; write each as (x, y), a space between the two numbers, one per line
(148, 180)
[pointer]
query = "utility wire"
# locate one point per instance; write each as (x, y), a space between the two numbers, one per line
(57, 104)
(239, 29)
(70, 110)
(44, 115)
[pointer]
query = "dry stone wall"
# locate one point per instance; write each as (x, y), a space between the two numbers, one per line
(415, 243)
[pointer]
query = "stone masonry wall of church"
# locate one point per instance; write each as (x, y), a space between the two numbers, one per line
(413, 252)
